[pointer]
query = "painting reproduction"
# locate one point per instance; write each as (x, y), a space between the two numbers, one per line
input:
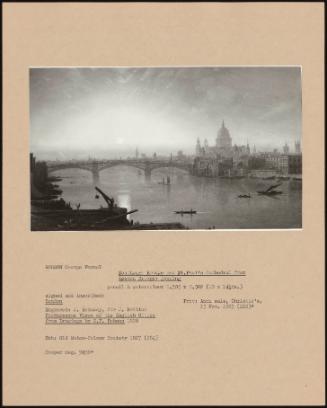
(165, 148)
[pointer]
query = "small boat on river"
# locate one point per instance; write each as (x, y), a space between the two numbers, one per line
(182, 212)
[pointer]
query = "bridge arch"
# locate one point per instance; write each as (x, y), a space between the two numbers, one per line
(147, 166)
(110, 165)
(93, 171)
(58, 168)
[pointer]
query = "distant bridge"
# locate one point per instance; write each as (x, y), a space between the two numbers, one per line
(95, 166)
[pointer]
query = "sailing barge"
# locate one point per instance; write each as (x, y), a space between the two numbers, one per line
(270, 191)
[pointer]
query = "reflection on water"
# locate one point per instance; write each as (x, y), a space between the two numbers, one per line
(216, 200)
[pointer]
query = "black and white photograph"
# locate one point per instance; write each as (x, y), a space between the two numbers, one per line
(165, 148)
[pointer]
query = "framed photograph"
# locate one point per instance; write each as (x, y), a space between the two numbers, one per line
(165, 160)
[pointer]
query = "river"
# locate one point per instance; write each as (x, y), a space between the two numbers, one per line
(215, 199)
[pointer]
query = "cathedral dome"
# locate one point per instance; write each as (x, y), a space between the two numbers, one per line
(223, 139)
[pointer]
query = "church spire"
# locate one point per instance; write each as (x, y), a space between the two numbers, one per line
(198, 147)
(248, 150)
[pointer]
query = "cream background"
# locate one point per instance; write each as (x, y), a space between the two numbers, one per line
(271, 356)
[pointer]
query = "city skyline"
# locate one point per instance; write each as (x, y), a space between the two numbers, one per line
(109, 112)
(201, 148)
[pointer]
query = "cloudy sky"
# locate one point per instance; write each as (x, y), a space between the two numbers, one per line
(108, 112)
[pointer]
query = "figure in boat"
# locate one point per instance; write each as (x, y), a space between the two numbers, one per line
(182, 212)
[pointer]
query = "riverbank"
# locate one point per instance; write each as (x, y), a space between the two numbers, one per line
(41, 221)
(46, 190)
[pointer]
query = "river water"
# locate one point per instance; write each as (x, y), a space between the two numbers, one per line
(215, 199)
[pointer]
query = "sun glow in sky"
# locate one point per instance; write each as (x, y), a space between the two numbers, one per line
(108, 112)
